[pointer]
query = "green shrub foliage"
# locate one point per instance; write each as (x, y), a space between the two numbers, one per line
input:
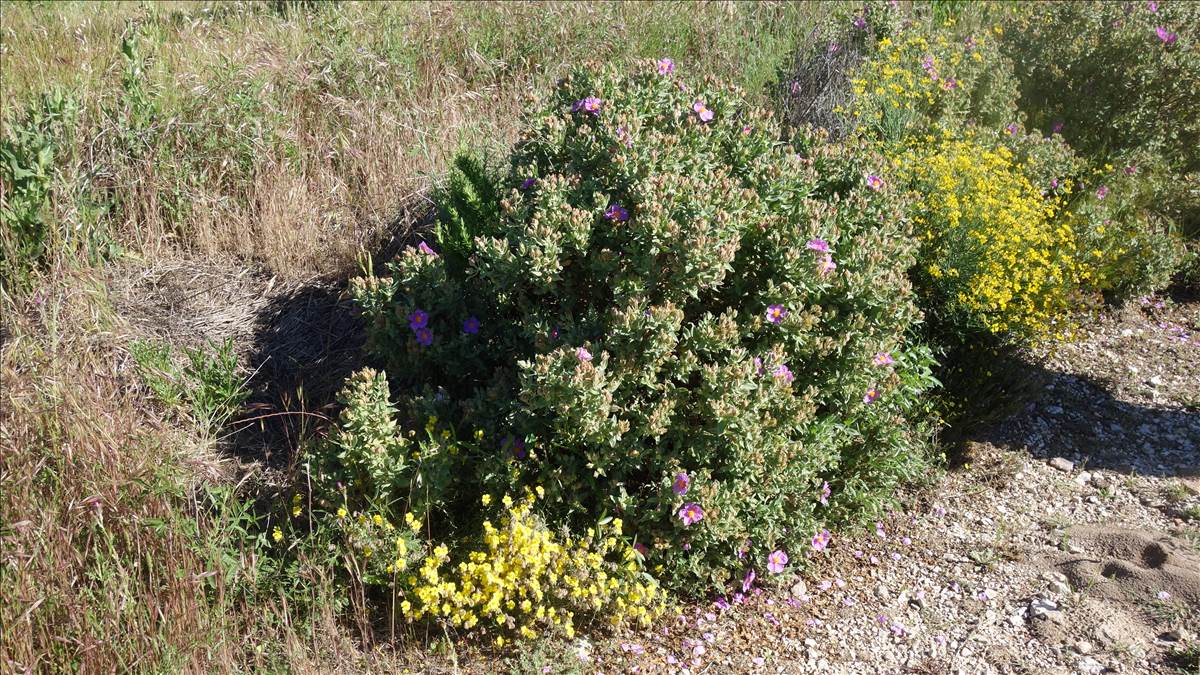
(669, 290)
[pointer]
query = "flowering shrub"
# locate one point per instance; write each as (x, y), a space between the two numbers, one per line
(999, 254)
(915, 84)
(521, 579)
(678, 319)
(1112, 77)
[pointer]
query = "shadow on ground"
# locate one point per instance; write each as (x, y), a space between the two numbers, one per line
(1056, 414)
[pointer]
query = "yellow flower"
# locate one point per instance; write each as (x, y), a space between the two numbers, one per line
(277, 535)
(487, 500)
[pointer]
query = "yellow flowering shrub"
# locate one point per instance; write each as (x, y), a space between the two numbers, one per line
(522, 581)
(998, 253)
(915, 83)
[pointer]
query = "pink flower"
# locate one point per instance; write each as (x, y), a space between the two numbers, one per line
(1131, 170)
(666, 66)
(691, 513)
(1164, 596)
(879, 530)
(825, 492)
(783, 373)
(748, 581)
(775, 313)
(1165, 35)
(826, 266)
(681, 483)
(874, 182)
(745, 548)
(583, 354)
(821, 540)
(702, 111)
(818, 245)
(871, 395)
(883, 359)
(1152, 6)
(1102, 192)
(776, 562)
(590, 105)
(1011, 129)
(746, 130)
(424, 248)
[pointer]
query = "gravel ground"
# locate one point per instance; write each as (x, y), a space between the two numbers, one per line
(1068, 542)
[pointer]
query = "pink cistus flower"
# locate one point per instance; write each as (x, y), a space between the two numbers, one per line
(821, 540)
(1152, 6)
(590, 105)
(665, 66)
(874, 182)
(691, 513)
(583, 354)
(825, 493)
(702, 111)
(471, 325)
(826, 266)
(424, 337)
(783, 373)
(1131, 170)
(776, 562)
(1102, 192)
(681, 483)
(818, 245)
(859, 22)
(1165, 35)
(871, 395)
(883, 359)
(775, 313)
(424, 248)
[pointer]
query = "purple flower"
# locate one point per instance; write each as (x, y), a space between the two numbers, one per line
(907, 541)
(1057, 128)
(783, 373)
(471, 325)
(702, 111)
(871, 395)
(758, 366)
(624, 138)
(1053, 183)
(748, 581)
(583, 354)
(591, 105)
(883, 619)
(883, 359)
(1102, 192)
(826, 266)
(528, 183)
(418, 320)
(1011, 129)
(969, 42)
(1164, 596)
(424, 248)
(514, 445)
(874, 182)
(776, 562)
(775, 313)
(859, 22)
(818, 245)
(721, 604)
(665, 66)
(617, 213)
(691, 513)
(424, 337)
(950, 83)
(879, 530)
(1152, 6)
(681, 483)
(825, 493)
(741, 552)
(1165, 35)
(1131, 170)
(641, 548)
(821, 540)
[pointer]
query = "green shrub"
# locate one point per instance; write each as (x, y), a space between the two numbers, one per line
(1136, 66)
(655, 300)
